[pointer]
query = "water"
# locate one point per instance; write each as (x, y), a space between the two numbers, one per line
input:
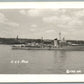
(40, 61)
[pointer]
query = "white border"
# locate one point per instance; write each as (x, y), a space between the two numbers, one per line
(19, 5)
(41, 78)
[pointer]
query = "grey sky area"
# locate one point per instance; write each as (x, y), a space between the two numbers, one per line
(42, 83)
(35, 0)
(37, 23)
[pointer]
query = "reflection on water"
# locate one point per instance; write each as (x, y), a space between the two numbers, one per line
(39, 61)
(59, 61)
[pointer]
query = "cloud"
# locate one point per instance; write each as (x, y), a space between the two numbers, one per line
(23, 12)
(34, 12)
(12, 24)
(50, 31)
(57, 20)
(32, 30)
(34, 25)
(4, 20)
(31, 12)
(79, 13)
(67, 18)
(45, 22)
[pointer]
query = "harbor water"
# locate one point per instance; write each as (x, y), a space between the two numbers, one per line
(40, 61)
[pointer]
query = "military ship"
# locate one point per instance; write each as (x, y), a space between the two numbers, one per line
(60, 44)
(69, 48)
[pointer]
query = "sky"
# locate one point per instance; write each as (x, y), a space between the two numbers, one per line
(35, 0)
(47, 23)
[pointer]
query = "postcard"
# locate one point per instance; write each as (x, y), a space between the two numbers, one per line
(42, 41)
(43, 83)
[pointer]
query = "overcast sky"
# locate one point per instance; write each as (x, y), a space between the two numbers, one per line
(47, 23)
(35, 0)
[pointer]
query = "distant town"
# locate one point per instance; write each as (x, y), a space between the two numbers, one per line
(10, 41)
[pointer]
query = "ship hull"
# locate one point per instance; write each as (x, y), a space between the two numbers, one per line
(69, 48)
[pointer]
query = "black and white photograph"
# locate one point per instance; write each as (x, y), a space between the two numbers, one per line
(42, 83)
(42, 41)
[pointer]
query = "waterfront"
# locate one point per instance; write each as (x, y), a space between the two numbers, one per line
(39, 61)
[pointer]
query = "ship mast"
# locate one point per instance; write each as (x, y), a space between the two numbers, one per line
(60, 36)
(41, 41)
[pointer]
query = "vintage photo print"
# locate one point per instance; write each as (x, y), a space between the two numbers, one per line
(42, 41)
(41, 83)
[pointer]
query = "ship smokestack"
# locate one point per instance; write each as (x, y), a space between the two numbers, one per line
(55, 42)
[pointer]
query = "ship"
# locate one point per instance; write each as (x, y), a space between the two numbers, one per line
(57, 44)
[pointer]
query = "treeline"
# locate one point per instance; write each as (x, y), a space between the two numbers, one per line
(81, 42)
(24, 41)
(8, 41)
(21, 41)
